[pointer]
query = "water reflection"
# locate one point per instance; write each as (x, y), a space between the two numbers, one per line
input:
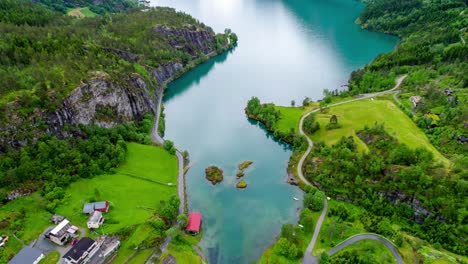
(194, 76)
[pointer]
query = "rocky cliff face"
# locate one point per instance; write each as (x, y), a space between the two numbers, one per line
(104, 100)
(99, 100)
(189, 40)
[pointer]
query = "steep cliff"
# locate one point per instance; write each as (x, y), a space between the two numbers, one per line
(106, 100)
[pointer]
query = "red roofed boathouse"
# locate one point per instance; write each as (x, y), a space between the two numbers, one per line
(194, 223)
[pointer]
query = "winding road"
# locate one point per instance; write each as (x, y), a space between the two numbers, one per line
(308, 258)
(375, 237)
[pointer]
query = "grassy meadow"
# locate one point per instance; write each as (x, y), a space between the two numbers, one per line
(354, 116)
(133, 199)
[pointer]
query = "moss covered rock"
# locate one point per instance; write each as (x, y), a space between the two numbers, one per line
(240, 174)
(241, 184)
(214, 174)
(244, 165)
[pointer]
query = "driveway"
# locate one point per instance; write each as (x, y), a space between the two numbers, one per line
(44, 244)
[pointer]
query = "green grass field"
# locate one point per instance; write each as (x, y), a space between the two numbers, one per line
(354, 116)
(34, 222)
(290, 116)
(51, 258)
(132, 200)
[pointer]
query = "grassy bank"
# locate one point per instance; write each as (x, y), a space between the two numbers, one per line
(182, 249)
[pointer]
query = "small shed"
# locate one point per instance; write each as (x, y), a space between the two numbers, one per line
(56, 219)
(27, 255)
(194, 223)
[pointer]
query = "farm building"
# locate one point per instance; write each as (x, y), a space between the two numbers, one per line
(194, 223)
(89, 208)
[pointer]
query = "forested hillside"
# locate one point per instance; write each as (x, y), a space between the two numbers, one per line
(434, 54)
(71, 88)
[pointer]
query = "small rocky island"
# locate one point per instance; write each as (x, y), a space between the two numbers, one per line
(244, 165)
(214, 174)
(241, 184)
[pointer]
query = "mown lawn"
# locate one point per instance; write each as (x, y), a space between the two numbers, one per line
(355, 115)
(51, 258)
(132, 201)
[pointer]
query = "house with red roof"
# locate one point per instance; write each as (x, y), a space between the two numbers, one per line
(194, 223)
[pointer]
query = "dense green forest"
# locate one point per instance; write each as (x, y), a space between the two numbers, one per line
(46, 54)
(434, 55)
(388, 174)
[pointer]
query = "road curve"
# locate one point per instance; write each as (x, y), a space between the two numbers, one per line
(308, 258)
(375, 237)
(310, 143)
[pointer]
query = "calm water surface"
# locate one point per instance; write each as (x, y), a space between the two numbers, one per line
(287, 50)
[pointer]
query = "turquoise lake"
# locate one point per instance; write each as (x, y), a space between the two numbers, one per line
(287, 50)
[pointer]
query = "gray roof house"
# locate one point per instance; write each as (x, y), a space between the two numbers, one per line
(103, 207)
(27, 255)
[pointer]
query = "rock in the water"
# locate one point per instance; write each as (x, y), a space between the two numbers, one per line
(240, 174)
(214, 174)
(241, 184)
(244, 165)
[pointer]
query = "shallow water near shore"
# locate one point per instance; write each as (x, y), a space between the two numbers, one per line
(287, 50)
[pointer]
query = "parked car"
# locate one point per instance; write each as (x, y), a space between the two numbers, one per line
(74, 242)
(47, 233)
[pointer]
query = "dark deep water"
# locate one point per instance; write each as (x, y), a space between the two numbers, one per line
(287, 50)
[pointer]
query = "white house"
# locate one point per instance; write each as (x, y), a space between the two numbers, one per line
(95, 220)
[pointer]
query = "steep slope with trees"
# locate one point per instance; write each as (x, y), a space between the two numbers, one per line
(71, 89)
